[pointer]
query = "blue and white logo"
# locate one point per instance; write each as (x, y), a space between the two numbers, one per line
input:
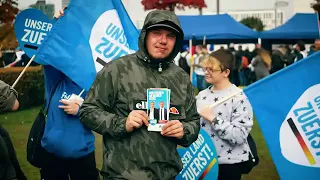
(199, 160)
(31, 26)
(108, 40)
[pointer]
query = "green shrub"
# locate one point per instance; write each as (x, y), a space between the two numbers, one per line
(30, 87)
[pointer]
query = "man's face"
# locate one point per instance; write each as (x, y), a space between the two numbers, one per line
(161, 104)
(160, 43)
(152, 105)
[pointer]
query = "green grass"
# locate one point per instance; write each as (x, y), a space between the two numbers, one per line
(18, 125)
(265, 169)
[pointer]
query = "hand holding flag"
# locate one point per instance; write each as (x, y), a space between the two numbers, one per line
(207, 113)
(69, 107)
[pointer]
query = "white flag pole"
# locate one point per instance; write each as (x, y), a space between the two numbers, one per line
(191, 59)
(23, 71)
(225, 99)
(81, 92)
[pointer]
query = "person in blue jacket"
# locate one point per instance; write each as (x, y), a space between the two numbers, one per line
(69, 145)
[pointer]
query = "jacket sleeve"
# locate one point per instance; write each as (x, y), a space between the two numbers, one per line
(8, 97)
(236, 131)
(191, 125)
(96, 112)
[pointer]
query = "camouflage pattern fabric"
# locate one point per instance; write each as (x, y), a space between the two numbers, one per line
(120, 87)
(8, 97)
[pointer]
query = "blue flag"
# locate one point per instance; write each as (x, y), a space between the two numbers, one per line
(286, 105)
(31, 27)
(200, 159)
(90, 34)
(194, 80)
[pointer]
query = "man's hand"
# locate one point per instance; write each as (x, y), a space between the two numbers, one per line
(69, 107)
(59, 14)
(173, 128)
(15, 105)
(136, 119)
(207, 113)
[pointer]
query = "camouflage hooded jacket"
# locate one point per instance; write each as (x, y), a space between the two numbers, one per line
(8, 97)
(120, 88)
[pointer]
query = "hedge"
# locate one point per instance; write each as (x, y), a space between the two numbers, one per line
(30, 87)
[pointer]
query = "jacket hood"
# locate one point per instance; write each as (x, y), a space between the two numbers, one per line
(157, 17)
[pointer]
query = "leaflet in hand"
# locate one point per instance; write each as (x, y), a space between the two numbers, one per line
(75, 98)
(158, 105)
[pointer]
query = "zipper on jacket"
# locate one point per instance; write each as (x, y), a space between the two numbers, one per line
(160, 67)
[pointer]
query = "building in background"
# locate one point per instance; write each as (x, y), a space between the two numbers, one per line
(47, 9)
(237, 9)
(267, 17)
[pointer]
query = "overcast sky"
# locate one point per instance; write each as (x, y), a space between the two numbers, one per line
(224, 4)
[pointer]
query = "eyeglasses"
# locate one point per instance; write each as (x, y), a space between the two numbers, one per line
(210, 70)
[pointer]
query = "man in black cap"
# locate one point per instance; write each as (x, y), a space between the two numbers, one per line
(112, 105)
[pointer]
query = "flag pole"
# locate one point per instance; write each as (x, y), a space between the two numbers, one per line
(225, 98)
(23, 71)
(81, 92)
(191, 59)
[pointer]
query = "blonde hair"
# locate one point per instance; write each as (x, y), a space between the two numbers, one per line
(211, 62)
(265, 58)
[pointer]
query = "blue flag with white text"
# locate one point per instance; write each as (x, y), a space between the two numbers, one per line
(31, 27)
(287, 107)
(90, 34)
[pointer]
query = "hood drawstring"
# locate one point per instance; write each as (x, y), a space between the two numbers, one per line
(160, 68)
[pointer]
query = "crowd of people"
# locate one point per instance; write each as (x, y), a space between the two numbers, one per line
(15, 58)
(249, 66)
(130, 151)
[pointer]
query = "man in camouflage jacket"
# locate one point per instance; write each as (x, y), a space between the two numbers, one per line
(116, 103)
(9, 165)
